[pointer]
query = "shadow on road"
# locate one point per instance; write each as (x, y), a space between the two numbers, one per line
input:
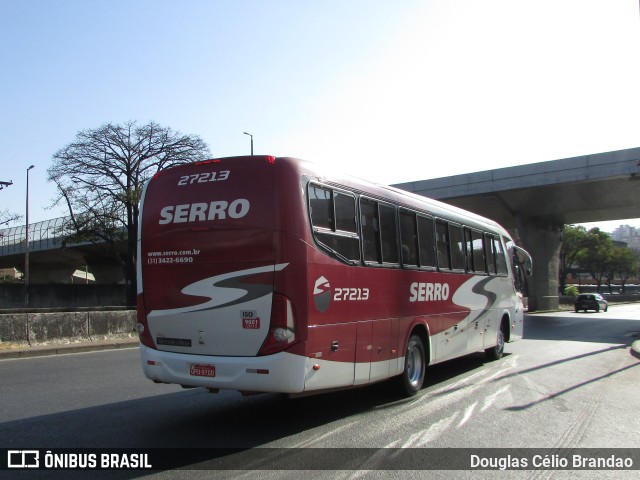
(202, 422)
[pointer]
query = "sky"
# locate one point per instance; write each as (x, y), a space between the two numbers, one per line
(390, 91)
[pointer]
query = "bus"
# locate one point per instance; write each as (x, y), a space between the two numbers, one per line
(265, 274)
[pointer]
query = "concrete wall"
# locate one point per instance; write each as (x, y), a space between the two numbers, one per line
(43, 326)
(58, 295)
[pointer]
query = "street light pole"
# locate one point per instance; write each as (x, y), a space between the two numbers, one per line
(251, 141)
(26, 246)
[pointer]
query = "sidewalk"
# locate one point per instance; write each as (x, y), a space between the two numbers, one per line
(78, 346)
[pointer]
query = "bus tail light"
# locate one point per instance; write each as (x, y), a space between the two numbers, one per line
(282, 328)
(142, 327)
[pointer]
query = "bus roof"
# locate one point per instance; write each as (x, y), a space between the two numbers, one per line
(395, 195)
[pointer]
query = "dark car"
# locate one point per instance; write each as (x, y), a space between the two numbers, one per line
(590, 301)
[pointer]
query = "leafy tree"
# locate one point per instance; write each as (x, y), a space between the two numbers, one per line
(596, 257)
(574, 241)
(624, 262)
(100, 177)
(571, 291)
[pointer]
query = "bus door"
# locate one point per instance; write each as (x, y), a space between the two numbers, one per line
(521, 265)
(482, 320)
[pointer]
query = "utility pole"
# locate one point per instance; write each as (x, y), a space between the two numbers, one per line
(251, 141)
(26, 246)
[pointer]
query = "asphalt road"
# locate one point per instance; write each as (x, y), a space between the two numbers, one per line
(571, 383)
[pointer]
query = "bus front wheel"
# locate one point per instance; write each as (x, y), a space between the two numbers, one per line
(495, 353)
(410, 381)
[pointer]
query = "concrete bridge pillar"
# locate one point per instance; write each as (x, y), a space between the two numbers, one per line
(542, 238)
(105, 270)
(50, 273)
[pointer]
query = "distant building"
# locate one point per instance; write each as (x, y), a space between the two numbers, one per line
(9, 274)
(628, 235)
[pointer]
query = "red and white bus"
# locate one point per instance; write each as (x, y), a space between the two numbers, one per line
(264, 274)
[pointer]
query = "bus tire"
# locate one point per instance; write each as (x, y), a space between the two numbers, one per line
(496, 352)
(409, 382)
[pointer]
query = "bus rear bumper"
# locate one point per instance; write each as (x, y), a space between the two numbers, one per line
(281, 372)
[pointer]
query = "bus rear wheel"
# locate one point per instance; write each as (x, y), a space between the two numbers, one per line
(410, 381)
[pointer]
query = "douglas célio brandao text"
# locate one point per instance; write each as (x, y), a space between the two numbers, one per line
(551, 461)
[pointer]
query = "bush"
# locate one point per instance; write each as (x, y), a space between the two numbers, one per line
(571, 291)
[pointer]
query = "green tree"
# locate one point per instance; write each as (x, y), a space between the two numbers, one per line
(596, 257)
(624, 263)
(100, 177)
(574, 241)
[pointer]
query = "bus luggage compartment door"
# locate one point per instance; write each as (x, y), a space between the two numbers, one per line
(332, 356)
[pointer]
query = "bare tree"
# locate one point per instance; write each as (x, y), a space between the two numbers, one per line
(100, 177)
(7, 217)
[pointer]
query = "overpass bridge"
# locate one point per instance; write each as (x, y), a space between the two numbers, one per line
(532, 201)
(51, 261)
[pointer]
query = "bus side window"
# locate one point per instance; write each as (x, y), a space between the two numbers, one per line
(501, 261)
(388, 233)
(491, 262)
(475, 251)
(370, 230)
(496, 260)
(347, 242)
(479, 263)
(333, 217)
(426, 236)
(379, 233)
(409, 238)
(321, 207)
(442, 243)
(345, 206)
(458, 260)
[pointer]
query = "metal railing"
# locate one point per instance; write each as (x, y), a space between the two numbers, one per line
(44, 235)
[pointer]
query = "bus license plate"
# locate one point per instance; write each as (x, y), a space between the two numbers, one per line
(200, 370)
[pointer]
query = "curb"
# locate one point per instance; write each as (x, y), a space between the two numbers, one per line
(635, 349)
(62, 349)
